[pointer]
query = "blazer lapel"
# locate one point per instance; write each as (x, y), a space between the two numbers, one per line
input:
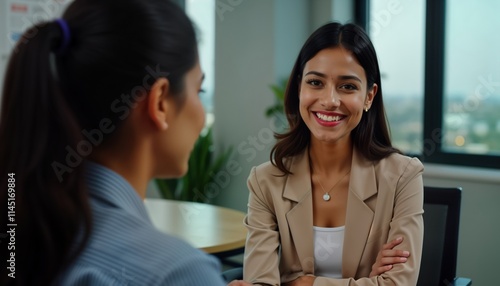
(300, 217)
(359, 217)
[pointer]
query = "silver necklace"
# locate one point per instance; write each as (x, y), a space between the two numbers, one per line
(326, 196)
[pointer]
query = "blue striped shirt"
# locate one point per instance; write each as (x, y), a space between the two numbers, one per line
(126, 249)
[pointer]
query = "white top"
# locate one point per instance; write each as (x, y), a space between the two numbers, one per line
(328, 242)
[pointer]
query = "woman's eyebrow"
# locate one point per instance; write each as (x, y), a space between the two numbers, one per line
(343, 77)
(316, 73)
(346, 77)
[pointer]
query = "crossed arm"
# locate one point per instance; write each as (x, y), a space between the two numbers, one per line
(386, 258)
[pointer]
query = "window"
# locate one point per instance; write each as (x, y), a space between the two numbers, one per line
(202, 13)
(441, 77)
(472, 78)
(398, 34)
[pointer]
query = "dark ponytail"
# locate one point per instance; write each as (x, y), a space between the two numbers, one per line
(53, 99)
(36, 126)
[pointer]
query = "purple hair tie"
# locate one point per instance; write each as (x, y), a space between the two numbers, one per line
(66, 36)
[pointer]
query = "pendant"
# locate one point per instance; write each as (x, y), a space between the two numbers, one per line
(326, 197)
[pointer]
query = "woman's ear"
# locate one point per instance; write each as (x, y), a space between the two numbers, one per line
(159, 103)
(370, 96)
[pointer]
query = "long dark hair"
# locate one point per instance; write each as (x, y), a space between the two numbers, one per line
(371, 136)
(55, 100)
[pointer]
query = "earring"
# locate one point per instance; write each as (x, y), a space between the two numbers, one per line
(366, 109)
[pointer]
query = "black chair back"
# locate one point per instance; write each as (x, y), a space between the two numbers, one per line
(441, 224)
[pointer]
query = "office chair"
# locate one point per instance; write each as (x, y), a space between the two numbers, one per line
(440, 246)
(441, 223)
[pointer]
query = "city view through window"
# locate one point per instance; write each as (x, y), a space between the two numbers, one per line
(471, 95)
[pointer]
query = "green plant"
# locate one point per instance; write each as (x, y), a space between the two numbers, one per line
(279, 95)
(202, 168)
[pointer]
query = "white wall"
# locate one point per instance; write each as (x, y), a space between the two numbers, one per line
(244, 67)
(291, 29)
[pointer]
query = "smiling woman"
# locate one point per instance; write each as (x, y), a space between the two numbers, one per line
(336, 204)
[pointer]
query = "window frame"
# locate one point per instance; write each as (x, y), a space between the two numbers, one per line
(432, 149)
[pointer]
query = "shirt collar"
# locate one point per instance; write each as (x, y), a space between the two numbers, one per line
(107, 186)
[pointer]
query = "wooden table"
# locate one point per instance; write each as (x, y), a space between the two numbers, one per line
(213, 229)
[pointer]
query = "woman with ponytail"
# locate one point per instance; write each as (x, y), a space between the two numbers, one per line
(95, 105)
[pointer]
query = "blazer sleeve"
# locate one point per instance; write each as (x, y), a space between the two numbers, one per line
(261, 260)
(407, 221)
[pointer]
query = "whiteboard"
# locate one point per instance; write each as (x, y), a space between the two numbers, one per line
(16, 16)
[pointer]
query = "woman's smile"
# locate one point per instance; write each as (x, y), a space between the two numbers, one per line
(328, 119)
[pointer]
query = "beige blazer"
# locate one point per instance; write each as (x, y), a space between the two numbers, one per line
(385, 201)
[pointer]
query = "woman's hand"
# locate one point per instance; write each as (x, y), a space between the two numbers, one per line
(301, 281)
(239, 283)
(388, 256)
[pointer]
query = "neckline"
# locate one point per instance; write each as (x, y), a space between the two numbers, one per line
(335, 228)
